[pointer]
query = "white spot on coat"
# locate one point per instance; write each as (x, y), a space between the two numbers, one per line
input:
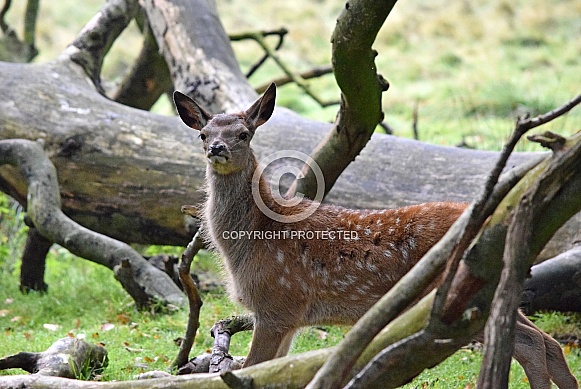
(279, 256)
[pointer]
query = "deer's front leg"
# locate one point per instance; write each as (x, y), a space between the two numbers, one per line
(266, 341)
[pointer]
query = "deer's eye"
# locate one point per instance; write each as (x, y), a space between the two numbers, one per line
(202, 137)
(243, 136)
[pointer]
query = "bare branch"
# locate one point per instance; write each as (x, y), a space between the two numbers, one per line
(3, 25)
(194, 300)
(484, 206)
(96, 38)
(294, 77)
(281, 33)
(415, 120)
(521, 248)
(312, 73)
(361, 89)
(44, 209)
(30, 16)
(17, 50)
(527, 124)
(148, 79)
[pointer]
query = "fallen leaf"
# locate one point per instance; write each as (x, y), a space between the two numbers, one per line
(123, 318)
(162, 358)
(15, 319)
(9, 301)
(95, 335)
(28, 335)
(4, 312)
(51, 327)
(107, 327)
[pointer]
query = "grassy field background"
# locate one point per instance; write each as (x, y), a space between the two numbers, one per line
(470, 69)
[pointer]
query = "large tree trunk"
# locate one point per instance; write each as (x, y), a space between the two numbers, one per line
(125, 172)
(137, 169)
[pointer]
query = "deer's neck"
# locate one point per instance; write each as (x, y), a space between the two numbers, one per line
(230, 205)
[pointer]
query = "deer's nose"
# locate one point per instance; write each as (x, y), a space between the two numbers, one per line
(216, 149)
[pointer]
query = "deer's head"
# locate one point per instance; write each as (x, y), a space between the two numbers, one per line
(226, 137)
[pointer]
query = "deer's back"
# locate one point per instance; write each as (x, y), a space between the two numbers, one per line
(333, 266)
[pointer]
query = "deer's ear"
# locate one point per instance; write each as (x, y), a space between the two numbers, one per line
(262, 109)
(190, 112)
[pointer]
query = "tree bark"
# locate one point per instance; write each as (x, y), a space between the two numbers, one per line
(198, 51)
(149, 77)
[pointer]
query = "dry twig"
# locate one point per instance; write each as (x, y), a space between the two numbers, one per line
(194, 300)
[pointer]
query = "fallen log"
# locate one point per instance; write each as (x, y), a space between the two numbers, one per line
(554, 284)
(67, 357)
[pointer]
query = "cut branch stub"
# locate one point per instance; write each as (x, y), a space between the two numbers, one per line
(222, 331)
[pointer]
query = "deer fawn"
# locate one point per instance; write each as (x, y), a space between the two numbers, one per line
(353, 258)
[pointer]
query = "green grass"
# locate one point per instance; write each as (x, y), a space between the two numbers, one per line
(470, 67)
(85, 300)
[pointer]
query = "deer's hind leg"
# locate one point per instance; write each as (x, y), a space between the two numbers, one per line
(286, 344)
(530, 352)
(554, 359)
